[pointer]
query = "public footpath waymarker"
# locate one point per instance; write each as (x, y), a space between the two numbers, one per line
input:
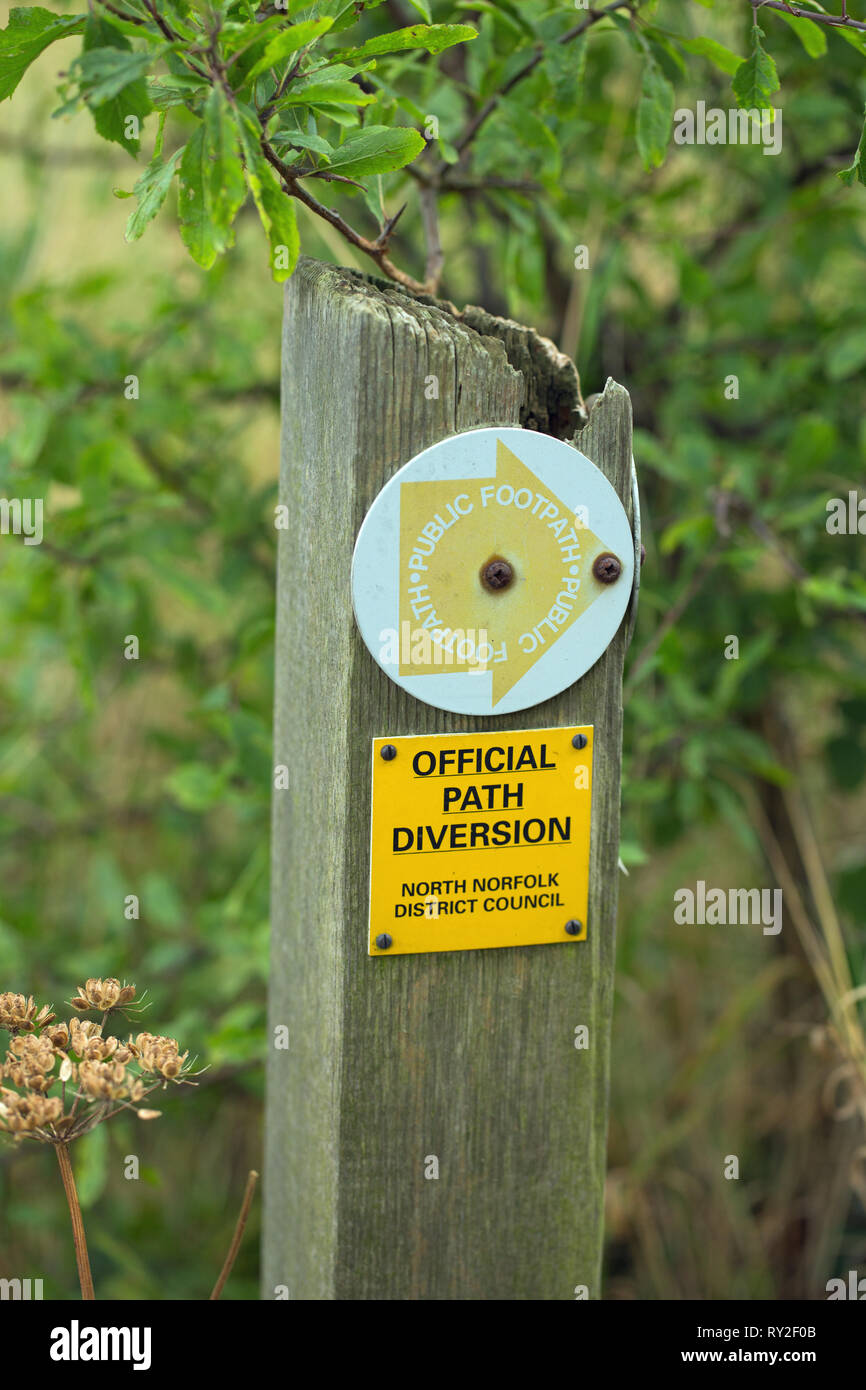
(436, 1123)
(492, 571)
(480, 840)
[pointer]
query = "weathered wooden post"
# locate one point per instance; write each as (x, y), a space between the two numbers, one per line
(468, 1056)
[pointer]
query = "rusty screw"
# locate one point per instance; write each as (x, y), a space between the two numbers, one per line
(497, 575)
(607, 568)
(573, 926)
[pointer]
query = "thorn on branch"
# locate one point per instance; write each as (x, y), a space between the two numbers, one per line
(388, 227)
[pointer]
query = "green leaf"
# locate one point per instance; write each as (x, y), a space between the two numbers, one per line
(105, 72)
(565, 65)
(299, 140)
(434, 37)
(151, 191)
(833, 591)
(279, 219)
(225, 186)
(211, 182)
(287, 42)
(377, 150)
(197, 786)
(534, 136)
(149, 32)
(505, 16)
(811, 35)
(170, 89)
(846, 355)
(722, 58)
(857, 169)
(276, 208)
(669, 58)
(423, 8)
(112, 83)
(655, 116)
(30, 30)
(332, 93)
(347, 12)
(756, 79)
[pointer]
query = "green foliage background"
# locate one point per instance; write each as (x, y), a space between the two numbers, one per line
(153, 777)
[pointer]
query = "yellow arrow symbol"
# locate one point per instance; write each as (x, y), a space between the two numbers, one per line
(450, 531)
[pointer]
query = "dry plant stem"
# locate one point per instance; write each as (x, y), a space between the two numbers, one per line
(237, 1237)
(81, 1257)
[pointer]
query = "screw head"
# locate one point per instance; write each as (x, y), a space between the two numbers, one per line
(387, 751)
(607, 568)
(384, 941)
(579, 741)
(573, 927)
(497, 574)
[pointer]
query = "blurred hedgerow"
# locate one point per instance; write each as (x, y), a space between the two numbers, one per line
(67, 1078)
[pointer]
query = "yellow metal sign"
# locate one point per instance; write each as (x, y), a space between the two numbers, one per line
(480, 839)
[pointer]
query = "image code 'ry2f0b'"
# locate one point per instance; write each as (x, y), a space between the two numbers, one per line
(480, 839)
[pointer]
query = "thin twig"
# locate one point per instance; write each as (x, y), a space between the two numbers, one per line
(673, 615)
(121, 14)
(375, 249)
(435, 254)
(835, 21)
(237, 1237)
(169, 34)
(85, 1278)
(492, 102)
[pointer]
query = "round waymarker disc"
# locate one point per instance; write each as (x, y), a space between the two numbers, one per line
(492, 571)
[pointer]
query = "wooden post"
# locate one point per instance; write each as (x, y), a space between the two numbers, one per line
(468, 1055)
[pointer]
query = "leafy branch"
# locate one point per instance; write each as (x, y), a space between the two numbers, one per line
(260, 102)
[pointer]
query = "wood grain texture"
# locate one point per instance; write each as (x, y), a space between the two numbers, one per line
(466, 1055)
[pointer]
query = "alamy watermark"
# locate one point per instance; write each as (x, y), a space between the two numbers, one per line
(77, 1343)
(425, 647)
(846, 516)
(738, 906)
(22, 516)
(23, 1289)
(732, 127)
(854, 1288)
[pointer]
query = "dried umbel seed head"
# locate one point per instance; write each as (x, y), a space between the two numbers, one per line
(23, 1114)
(19, 1015)
(103, 995)
(29, 1062)
(104, 1080)
(158, 1055)
(80, 1034)
(96, 1049)
(58, 1036)
(110, 1081)
(65, 1079)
